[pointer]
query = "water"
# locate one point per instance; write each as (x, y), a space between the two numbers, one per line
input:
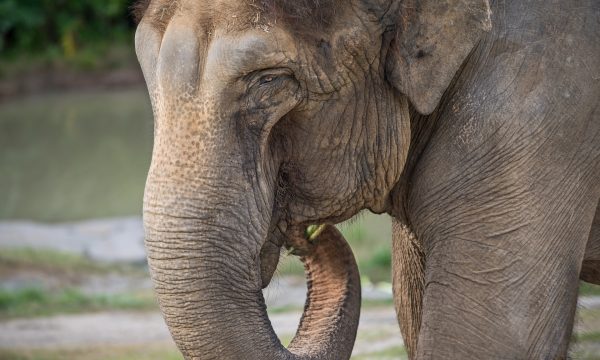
(73, 156)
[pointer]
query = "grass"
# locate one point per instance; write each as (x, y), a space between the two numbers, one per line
(146, 352)
(380, 303)
(31, 302)
(370, 237)
(63, 297)
(374, 263)
(395, 352)
(589, 289)
(57, 262)
(589, 337)
(586, 346)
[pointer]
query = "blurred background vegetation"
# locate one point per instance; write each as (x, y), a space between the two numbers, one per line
(75, 32)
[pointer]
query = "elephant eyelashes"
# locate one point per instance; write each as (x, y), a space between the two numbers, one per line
(270, 76)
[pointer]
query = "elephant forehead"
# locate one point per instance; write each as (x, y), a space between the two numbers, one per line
(243, 14)
(228, 14)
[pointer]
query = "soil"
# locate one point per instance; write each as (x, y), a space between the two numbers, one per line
(377, 330)
(121, 240)
(50, 80)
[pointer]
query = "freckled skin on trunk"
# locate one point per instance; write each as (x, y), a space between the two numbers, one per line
(207, 330)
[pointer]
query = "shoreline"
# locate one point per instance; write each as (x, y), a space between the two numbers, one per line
(62, 80)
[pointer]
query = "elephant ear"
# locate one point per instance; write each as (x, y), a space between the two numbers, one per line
(433, 38)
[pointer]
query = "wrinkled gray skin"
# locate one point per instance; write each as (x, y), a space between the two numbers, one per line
(477, 130)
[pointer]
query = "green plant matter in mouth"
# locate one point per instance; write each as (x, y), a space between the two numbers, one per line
(312, 231)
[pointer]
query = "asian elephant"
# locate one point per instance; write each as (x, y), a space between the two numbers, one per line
(475, 124)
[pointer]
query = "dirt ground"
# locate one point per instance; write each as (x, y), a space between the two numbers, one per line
(378, 330)
(142, 334)
(378, 335)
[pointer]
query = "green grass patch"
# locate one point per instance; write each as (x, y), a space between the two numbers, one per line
(60, 262)
(48, 259)
(395, 352)
(370, 237)
(369, 304)
(145, 352)
(38, 302)
(588, 337)
(289, 265)
(286, 339)
(588, 289)
(284, 309)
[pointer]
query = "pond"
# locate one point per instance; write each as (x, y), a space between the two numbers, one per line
(72, 156)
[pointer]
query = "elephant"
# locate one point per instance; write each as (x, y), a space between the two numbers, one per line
(475, 124)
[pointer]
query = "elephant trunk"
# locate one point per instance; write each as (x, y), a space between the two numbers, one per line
(204, 259)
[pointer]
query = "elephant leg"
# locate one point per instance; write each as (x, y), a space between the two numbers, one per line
(504, 196)
(408, 273)
(503, 222)
(501, 271)
(590, 270)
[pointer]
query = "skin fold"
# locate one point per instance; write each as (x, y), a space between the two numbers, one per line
(475, 125)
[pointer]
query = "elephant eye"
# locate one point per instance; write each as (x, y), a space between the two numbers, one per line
(269, 76)
(266, 79)
(270, 87)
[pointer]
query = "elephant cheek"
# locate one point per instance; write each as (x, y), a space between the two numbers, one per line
(269, 258)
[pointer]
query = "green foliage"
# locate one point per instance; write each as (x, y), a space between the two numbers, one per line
(61, 26)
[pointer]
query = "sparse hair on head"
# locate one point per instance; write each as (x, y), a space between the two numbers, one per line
(302, 15)
(302, 12)
(138, 9)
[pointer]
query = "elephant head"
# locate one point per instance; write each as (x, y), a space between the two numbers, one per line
(270, 116)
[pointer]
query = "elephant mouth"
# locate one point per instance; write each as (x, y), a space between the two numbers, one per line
(333, 288)
(297, 240)
(332, 307)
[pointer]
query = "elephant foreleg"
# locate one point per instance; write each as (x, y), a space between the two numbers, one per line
(408, 263)
(590, 270)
